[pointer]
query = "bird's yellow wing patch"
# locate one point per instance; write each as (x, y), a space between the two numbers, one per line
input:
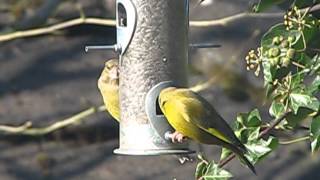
(218, 134)
(194, 112)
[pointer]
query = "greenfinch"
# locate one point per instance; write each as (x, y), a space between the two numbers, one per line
(191, 115)
(108, 85)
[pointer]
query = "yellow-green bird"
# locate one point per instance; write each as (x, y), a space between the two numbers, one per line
(194, 117)
(108, 85)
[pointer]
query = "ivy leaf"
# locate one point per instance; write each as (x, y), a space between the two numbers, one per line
(314, 65)
(269, 89)
(276, 109)
(310, 32)
(297, 81)
(211, 171)
(247, 136)
(305, 60)
(225, 153)
(215, 173)
(247, 129)
(254, 134)
(315, 134)
(292, 119)
(254, 119)
(248, 126)
(269, 72)
(298, 100)
(251, 119)
(260, 149)
(265, 4)
(314, 87)
(201, 169)
(279, 30)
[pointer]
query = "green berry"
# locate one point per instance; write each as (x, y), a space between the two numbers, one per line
(285, 44)
(290, 53)
(273, 52)
(285, 61)
(291, 39)
(281, 38)
(277, 60)
(276, 40)
(274, 61)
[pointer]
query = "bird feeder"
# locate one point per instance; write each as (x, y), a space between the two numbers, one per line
(152, 42)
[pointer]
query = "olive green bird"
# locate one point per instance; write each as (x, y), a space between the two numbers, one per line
(108, 85)
(194, 117)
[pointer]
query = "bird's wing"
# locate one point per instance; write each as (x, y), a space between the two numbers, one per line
(201, 113)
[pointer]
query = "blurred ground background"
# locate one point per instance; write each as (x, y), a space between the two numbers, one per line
(48, 78)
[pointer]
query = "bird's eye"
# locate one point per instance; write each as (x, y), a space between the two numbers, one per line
(163, 103)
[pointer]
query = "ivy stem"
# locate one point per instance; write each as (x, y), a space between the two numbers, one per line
(294, 140)
(304, 43)
(274, 124)
(225, 161)
(298, 65)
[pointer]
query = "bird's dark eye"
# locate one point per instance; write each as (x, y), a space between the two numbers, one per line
(163, 103)
(160, 102)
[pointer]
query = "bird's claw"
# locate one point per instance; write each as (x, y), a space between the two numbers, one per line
(178, 137)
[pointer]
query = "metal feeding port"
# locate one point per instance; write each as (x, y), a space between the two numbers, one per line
(157, 120)
(126, 18)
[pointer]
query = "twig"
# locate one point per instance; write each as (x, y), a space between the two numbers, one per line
(225, 161)
(111, 22)
(230, 19)
(218, 75)
(56, 27)
(298, 65)
(15, 130)
(294, 140)
(26, 128)
(314, 7)
(233, 18)
(273, 124)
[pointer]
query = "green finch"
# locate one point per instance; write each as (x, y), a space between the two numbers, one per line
(194, 117)
(108, 85)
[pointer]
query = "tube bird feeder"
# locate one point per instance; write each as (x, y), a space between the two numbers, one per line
(152, 42)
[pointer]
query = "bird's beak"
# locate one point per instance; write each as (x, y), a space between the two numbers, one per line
(114, 73)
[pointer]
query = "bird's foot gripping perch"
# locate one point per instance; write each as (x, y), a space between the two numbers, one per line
(176, 137)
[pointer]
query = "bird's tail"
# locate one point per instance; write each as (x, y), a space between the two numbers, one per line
(240, 151)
